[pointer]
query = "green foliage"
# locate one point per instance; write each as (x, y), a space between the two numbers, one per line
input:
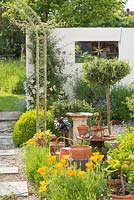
(121, 161)
(34, 159)
(119, 109)
(60, 108)
(130, 104)
(55, 78)
(25, 127)
(12, 76)
(93, 13)
(105, 72)
(12, 102)
(89, 93)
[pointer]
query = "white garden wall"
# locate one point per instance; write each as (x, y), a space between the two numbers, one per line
(68, 36)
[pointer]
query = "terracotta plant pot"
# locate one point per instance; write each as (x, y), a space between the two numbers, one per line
(97, 131)
(64, 151)
(80, 152)
(124, 197)
(82, 129)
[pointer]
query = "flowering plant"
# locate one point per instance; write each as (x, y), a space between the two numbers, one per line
(63, 180)
(41, 138)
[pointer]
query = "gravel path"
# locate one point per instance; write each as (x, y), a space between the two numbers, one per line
(18, 161)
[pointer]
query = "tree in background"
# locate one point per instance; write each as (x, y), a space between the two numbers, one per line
(93, 13)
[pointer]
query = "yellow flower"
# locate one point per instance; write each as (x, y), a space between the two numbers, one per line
(60, 165)
(53, 158)
(49, 159)
(31, 141)
(43, 186)
(89, 165)
(82, 174)
(48, 133)
(63, 161)
(95, 153)
(100, 157)
(62, 173)
(42, 169)
(54, 171)
(71, 172)
(94, 158)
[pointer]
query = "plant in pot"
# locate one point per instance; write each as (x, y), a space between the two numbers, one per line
(121, 163)
(106, 72)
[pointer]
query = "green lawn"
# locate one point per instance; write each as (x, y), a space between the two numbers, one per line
(11, 102)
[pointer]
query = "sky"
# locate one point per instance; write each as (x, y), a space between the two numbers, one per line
(130, 5)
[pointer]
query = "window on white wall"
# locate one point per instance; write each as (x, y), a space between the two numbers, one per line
(103, 49)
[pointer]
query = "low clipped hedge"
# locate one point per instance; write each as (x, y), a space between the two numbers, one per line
(25, 127)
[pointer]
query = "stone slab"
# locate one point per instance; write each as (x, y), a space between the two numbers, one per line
(9, 116)
(6, 126)
(19, 188)
(10, 152)
(6, 143)
(8, 170)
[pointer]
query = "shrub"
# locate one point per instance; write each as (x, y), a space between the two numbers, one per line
(60, 108)
(25, 127)
(94, 95)
(130, 105)
(119, 109)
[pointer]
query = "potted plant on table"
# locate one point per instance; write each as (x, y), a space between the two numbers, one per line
(121, 162)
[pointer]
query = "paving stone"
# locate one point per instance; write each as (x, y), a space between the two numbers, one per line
(19, 188)
(9, 152)
(9, 116)
(6, 126)
(6, 143)
(8, 170)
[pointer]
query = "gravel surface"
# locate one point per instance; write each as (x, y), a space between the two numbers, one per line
(18, 161)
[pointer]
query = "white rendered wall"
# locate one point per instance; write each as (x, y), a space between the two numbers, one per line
(68, 36)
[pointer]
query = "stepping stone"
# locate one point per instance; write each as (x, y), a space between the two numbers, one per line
(8, 170)
(19, 188)
(4, 116)
(6, 142)
(10, 152)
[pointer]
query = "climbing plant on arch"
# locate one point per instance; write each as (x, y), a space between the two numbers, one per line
(31, 21)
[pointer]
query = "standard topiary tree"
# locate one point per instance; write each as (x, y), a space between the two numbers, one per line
(25, 127)
(105, 72)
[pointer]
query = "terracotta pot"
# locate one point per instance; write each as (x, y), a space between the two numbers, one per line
(80, 152)
(82, 129)
(97, 131)
(64, 151)
(125, 197)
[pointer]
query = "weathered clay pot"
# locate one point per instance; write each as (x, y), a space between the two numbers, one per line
(125, 197)
(80, 152)
(97, 131)
(82, 129)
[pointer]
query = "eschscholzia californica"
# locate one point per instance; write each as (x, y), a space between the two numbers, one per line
(89, 165)
(71, 172)
(97, 157)
(43, 186)
(31, 141)
(42, 169)
(82, 174)
(60, 165)
(54, 171)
